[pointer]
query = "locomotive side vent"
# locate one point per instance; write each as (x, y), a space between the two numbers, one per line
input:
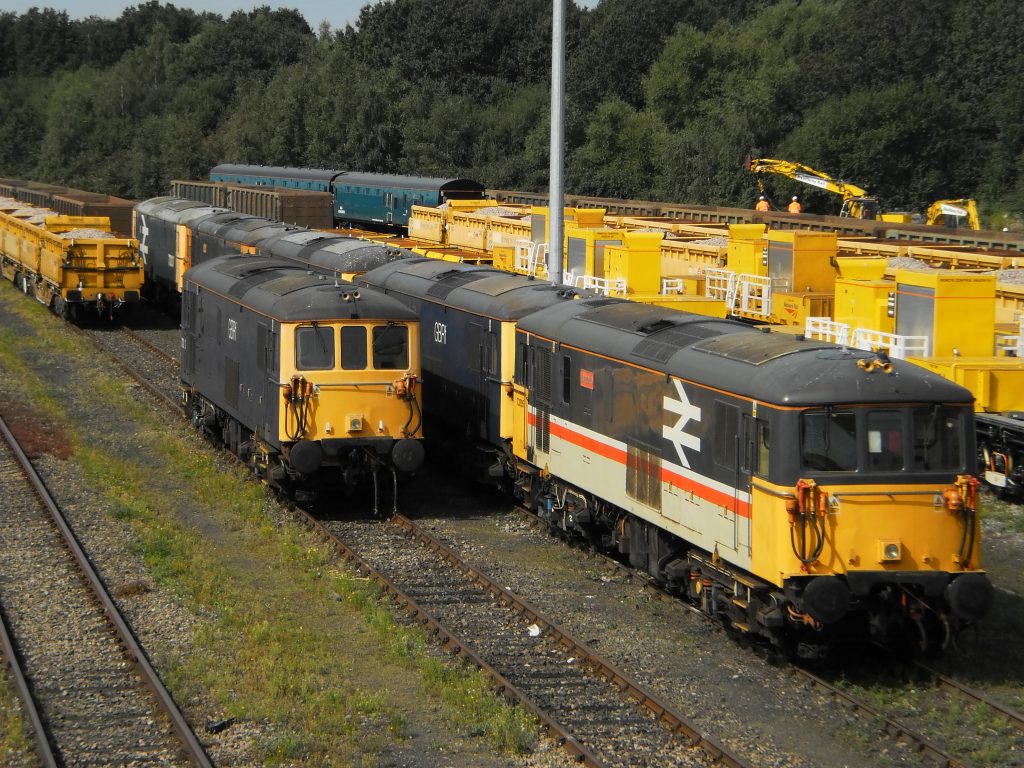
(643, 474)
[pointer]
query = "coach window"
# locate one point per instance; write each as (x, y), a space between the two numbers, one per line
(314, 348)
(353, 348)
(391, 347)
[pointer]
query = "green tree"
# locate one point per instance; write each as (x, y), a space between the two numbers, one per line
(622, 154)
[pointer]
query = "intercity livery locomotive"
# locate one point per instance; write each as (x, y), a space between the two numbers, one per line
(310, 380)
(798, 490)
(363, 199)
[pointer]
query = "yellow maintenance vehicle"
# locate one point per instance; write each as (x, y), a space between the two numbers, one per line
(954, 213)
(857, 203)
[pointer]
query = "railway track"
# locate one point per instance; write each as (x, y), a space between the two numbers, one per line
(974, 697)
(601, 715)
(940, 717)
(98, 699)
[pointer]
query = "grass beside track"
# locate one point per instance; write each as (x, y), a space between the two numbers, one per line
(281, 636)
(16, 743)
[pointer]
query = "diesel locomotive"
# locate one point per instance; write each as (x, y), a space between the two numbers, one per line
(311, 381)
(360, 199)
(175, 234)
(797, 490)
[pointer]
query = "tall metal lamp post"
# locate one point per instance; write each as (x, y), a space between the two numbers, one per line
(556, 210)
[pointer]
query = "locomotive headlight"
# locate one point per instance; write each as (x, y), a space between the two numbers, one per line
(889, 551)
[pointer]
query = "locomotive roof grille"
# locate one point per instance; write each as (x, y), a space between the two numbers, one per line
(501, 283)
(665, 342)
(287, 284)
(240, 288)
(452, 280)
(620, 314)
(757, 348)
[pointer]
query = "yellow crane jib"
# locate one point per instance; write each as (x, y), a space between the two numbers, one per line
(856, 201)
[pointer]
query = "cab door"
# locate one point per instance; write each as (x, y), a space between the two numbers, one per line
(266, 362)
(477, 343)
(747, 462)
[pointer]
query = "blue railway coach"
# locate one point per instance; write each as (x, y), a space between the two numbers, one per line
(363, 199)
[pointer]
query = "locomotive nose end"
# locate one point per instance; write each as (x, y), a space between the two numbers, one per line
(407, 455)
(970, 596)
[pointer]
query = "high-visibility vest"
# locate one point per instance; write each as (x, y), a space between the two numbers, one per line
(762, 205)
(794, 207)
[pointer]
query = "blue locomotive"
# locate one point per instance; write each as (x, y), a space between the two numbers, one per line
(361, 199)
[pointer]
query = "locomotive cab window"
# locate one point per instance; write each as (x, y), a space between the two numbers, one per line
(828, 440)
(885, 440)
(938, 438)
(353, 348)
(391, 347)
(762, 455)
(919, 439)
(314, 348)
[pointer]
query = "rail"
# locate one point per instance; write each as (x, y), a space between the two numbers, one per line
(196, 754)
(43, 748)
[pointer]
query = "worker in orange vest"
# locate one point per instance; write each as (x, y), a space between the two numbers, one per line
(794, 207)
(762, 204)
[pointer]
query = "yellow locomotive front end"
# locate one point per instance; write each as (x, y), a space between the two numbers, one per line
(879, 532)
(350, 385)
(313, 384)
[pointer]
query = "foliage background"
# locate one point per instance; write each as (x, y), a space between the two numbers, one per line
(914, 101)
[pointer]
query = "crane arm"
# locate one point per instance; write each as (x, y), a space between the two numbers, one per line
(806, 175)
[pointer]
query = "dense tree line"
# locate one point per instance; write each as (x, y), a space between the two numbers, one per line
(914, 101)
